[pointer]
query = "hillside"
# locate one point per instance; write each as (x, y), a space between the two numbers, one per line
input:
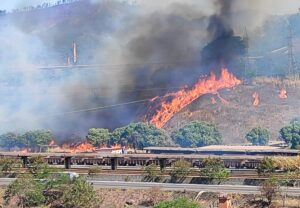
(235, 118)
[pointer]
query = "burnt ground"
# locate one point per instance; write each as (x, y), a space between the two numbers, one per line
(238, 116)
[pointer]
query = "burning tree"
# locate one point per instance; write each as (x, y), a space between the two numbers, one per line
(197, 134)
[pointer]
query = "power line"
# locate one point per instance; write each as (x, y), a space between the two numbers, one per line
(101, 107)
(93, 67)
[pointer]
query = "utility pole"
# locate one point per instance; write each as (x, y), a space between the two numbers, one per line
(292, 66)
(247, 67)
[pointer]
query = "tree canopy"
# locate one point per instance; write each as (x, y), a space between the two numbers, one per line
(37, 137)
(98, 136)
(197, 134)
(140, 135)
(258, 136)
(10, 140)
(291, 134)
(32, 139)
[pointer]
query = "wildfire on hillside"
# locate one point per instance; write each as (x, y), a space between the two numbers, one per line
(256, 99)
(283, 94)
(172, 103)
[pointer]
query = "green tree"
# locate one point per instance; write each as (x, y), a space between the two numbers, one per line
(258, 136)
(266, 166)
(27, 191)
(98, 136)
(197, 134)
(214, 169)
(180, 169)
(80, 194)
(140, 135)
(10, 140)
(291, 134)
(37, 138)
(178, 203)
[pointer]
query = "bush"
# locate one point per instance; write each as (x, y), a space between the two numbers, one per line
(213, 168)
(27, 191)
(151, 172)
(180, 169)
(80, 194)
(178, 203)
(197, 134)
(266, 166)
(94, 170)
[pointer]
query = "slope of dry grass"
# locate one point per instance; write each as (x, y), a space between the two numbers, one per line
(235, 118)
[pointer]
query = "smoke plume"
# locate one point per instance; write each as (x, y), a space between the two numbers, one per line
(138, 51)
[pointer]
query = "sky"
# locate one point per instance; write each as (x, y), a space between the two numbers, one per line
(276, 6)
(13, 4)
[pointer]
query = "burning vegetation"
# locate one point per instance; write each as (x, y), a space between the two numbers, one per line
(164, 108)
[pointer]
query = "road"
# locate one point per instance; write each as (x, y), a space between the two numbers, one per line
(190, 187)
(179, 187)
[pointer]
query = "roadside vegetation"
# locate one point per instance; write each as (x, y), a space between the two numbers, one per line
(41, 186)
(214, 170)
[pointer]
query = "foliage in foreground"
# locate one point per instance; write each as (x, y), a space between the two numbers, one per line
(214, 169)
(178, 203)
(266, 166)
(180, 169)
(43, 187)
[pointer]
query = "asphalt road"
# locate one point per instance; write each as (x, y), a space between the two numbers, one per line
(190, 187)
(179, 187)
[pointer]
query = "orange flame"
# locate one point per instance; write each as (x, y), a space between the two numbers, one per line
(168, 107)
(116, 146)
(256, 99)
(83, 147)
(283, 94)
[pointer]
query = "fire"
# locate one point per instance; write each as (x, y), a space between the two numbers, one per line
(83, 147)
(256, 99)
(283, 94)
(116, 146)
(174, 102)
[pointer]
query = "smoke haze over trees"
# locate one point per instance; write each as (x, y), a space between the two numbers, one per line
(138, 46)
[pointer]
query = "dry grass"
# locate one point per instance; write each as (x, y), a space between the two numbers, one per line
(283, 82)
(235, 119)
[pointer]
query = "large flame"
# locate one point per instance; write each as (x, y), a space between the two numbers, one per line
(283, 94)
(174, 102)
(256, 99)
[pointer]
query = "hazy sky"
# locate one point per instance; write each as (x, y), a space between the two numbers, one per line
(275, 6)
